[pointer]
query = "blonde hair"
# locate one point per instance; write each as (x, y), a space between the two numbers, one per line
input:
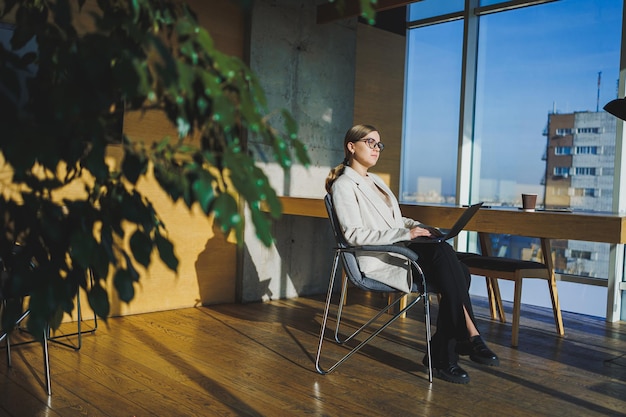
(354, 134)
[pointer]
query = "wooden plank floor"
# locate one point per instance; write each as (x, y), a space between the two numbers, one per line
(258, 360)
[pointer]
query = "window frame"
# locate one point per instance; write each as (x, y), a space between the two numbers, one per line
(616, 308)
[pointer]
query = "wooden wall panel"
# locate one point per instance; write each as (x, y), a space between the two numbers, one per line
(379, 94)
(225, 21)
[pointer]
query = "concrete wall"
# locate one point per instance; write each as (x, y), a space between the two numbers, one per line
(309, 69)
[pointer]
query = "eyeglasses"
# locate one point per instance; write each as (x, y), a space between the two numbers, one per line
(373, 144)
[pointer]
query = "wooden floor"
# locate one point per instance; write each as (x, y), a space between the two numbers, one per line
(258, 360)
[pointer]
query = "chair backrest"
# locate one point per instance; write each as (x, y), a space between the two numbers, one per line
(334, 222)
(349, 260)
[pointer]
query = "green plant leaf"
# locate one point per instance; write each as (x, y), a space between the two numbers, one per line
(141, 246)
(205, 40)
(131, 268)
(133, 166)
(100, 260)
(262, 226)
(83, 246)
(95, 163)
(368, 12)
(174, 184)
(99, 301)
(203, 190)
(166, 252)
(56, 319)
(123, 282)
(227, 212)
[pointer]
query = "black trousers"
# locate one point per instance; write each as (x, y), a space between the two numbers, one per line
(451, 279)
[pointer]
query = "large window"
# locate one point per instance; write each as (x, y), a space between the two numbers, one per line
(561, 57)
(539, 75)
(431, 112)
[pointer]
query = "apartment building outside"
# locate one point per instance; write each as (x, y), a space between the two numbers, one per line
(580, 155)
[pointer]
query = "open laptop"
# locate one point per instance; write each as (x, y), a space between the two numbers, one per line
(455, 230)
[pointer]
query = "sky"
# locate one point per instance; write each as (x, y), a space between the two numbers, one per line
(531, 61)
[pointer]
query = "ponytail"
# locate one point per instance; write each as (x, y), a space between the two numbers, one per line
(334, 174)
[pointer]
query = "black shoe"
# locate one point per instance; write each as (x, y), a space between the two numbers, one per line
(478, 351)
(450, 372)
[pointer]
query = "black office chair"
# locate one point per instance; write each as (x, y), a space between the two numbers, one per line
(347, 254)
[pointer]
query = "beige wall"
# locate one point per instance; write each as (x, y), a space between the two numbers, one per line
(207, 269)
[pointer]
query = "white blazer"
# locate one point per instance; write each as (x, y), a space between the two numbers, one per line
(366, 219)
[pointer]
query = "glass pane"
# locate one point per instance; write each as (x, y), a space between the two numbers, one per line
(431, 116)
(542, 69)
(431, 8)
(545, 72)
(491, 2)
(587, 259)
(571, 257)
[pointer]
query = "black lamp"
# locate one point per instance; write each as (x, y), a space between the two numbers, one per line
(617, 108)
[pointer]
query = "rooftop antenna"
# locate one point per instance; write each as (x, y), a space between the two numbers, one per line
(598, 98)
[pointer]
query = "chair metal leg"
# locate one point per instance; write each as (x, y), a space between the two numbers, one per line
(342, 303)
(421, 297)
(4, 335)
(372, 320)
(326, 311)
(362, 343)
(428, 334)
(8, 343)
(46, 356)
(46, 360)
(79, 330)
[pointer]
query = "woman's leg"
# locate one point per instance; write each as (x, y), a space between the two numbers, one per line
(446, 276)
(451, 279)
(471, 327)
(455, 321)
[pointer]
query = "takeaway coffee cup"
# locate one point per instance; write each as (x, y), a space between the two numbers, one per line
(529, 201)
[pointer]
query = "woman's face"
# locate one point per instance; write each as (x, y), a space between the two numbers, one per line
(362, 154)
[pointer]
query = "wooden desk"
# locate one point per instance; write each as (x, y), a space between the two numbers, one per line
(592, 227)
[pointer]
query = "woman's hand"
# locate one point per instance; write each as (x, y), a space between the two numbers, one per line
(420, 231)
(434, 231)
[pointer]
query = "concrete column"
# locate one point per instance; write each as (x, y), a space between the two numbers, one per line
(309, 70)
